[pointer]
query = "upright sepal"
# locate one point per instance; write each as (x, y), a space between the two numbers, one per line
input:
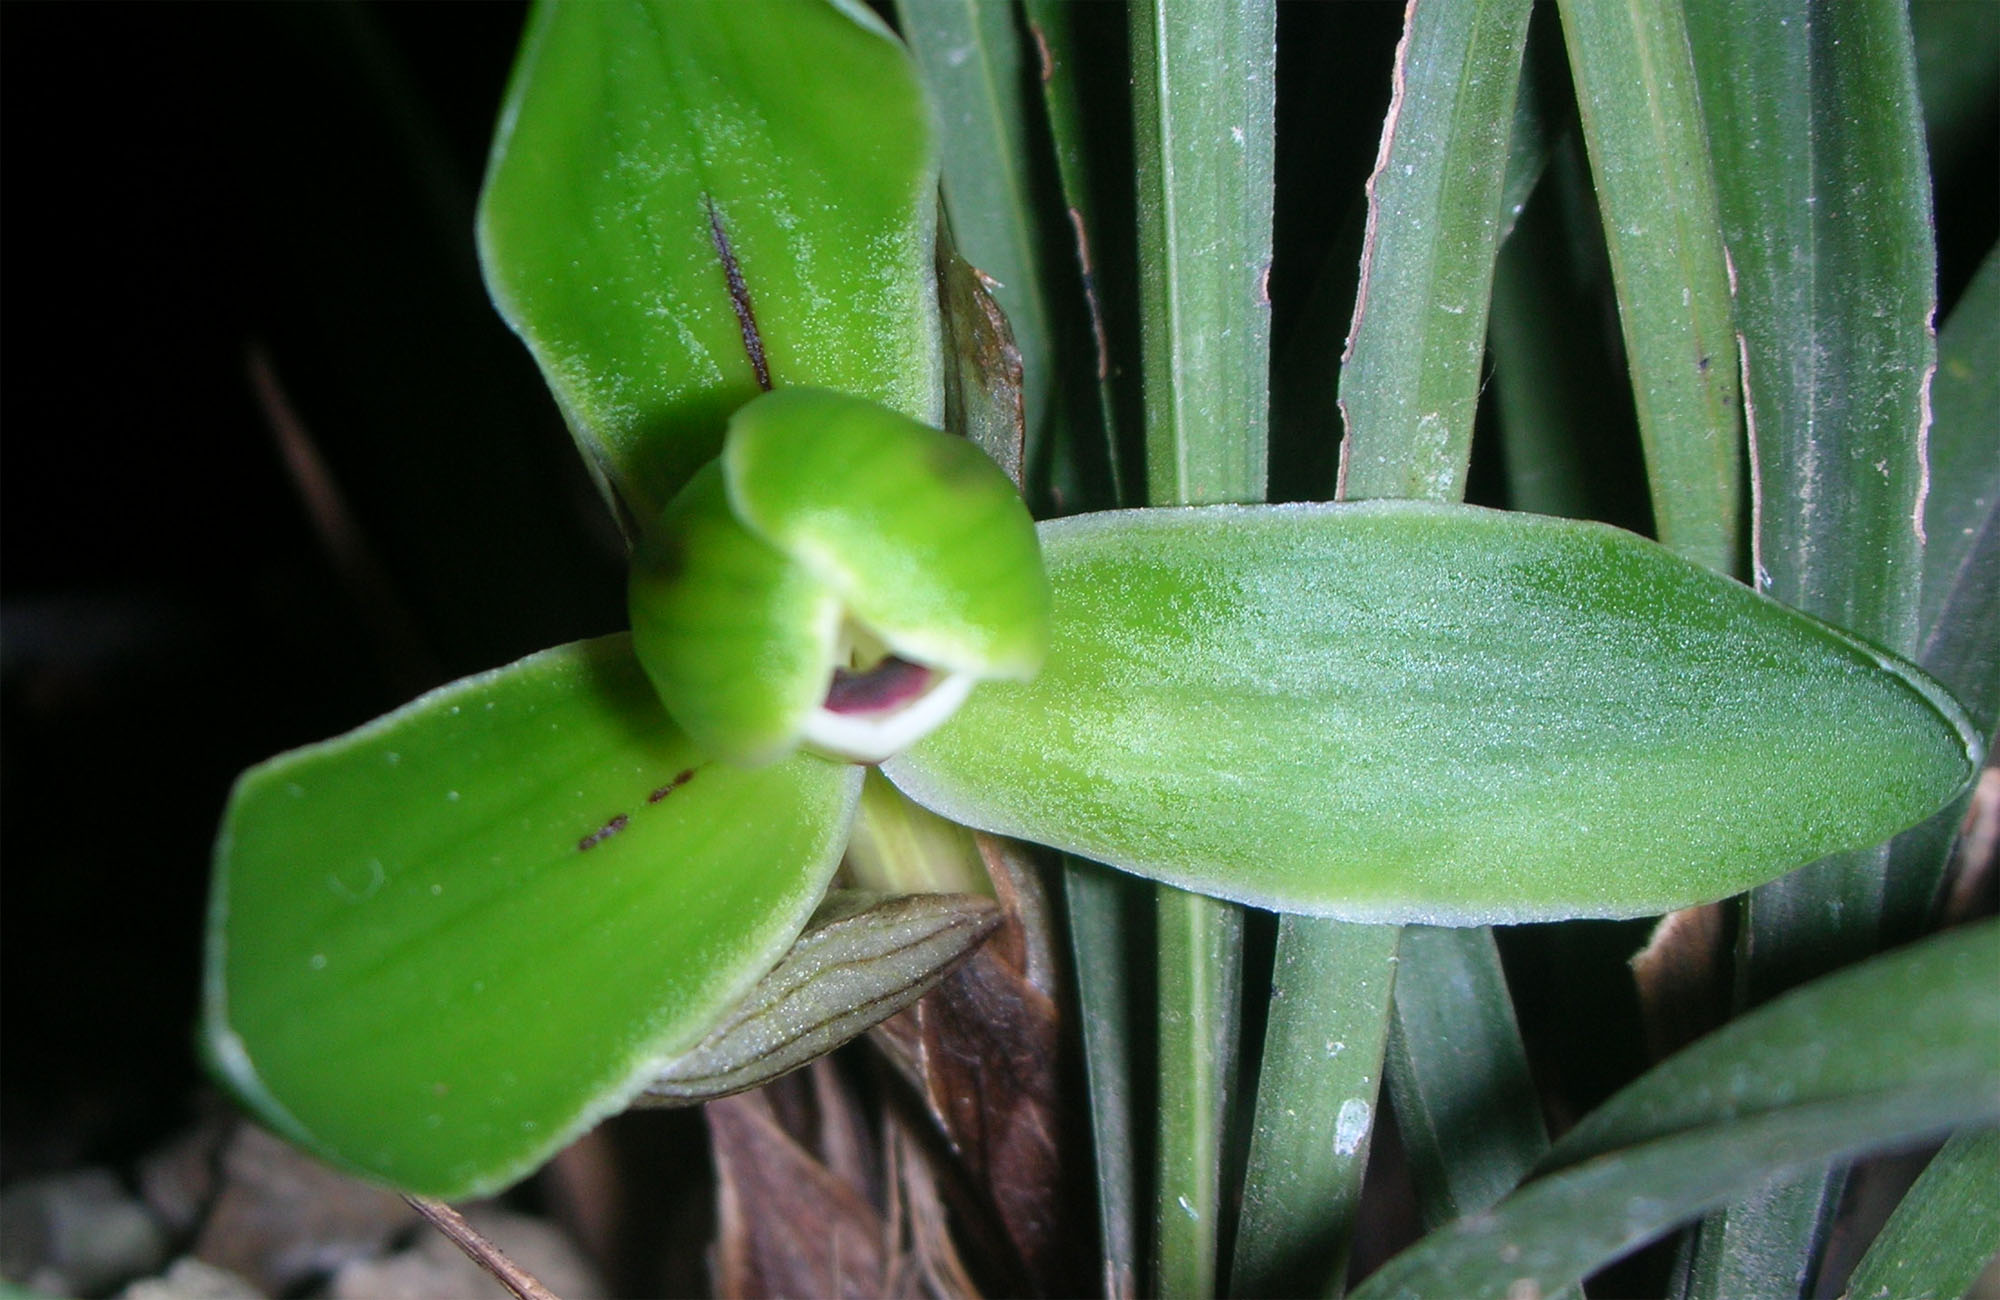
(688, 202)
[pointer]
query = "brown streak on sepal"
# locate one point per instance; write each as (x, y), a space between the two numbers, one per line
(681, 778)
(739, 295)
(602, 833)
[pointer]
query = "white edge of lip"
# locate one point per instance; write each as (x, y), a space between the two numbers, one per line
(875, 737)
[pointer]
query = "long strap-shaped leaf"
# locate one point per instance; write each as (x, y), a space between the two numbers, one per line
(1556, 1231)
(1411, 377)
(1945, 1232)
(1960, 622)
(970, 56)
(1762, 1094)
(1961, 589)
(1635, 90)
(1204, 77)
(1409, 384)
(1827, 215)
(1828, 218)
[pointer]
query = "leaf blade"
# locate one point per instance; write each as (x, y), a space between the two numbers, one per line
(1557, 1230)
(1721, 1117)
(1649, 159)
(1827, 218)
(970, 57)
(1204, 88)
(1472, 1134)
(1204, 84)
(1961, 587)
(1928, 1008)
(1459, 148)
(1933, 1245)
(1410, 379)
(1322, 1063)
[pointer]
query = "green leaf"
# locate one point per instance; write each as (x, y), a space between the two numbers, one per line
(1457, 139)
(1827, 216)
(1396, 711)
(969, 52)
(443, 945)
(1410, 381)
(1635, 90)
(644, 150)
(1762, 1096)
(1539, 121)
(1768, 1241)
(1107, 956)
(1923, 1013)
(1960, 610)
(1200, 993)
(1959, 622)
(1204, 99)
(1079, 140)
(1562, 427)
(1316, 1106)
(1559, 1229)
(1204, 103)
(1826, 213)
(1458, 1074)
(1945, 1231)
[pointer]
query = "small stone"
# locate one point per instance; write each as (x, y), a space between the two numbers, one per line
(76, 1233)
(178, 1179)
(434, 1269)
(282, 1218)
(191, 1279)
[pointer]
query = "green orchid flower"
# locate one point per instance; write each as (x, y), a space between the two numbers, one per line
(445, 944)
(841, 575)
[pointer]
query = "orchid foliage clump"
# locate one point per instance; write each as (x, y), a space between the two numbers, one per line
(445, 944)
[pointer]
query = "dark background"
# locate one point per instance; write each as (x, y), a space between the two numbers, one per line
(183, 188)
(187, 189)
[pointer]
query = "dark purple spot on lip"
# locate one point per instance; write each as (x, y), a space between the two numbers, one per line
(888, 684)
(680, 779)
(602, 833)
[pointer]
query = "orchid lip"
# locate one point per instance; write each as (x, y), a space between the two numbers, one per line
(893, 682)
(871, 716)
